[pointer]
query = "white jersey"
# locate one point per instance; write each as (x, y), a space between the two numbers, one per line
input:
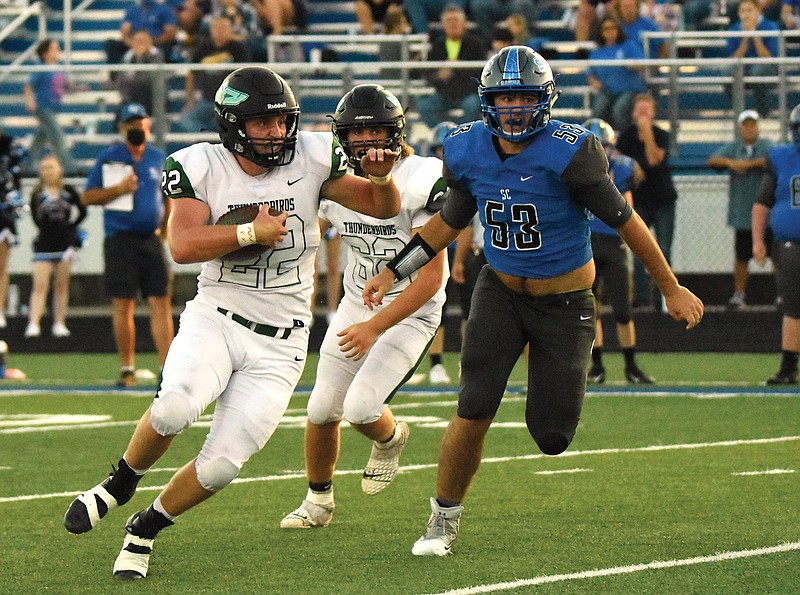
(372, 243)
(275, 288)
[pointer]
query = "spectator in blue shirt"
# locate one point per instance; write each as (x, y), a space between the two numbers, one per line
(156, 17)
(126, 182)
(43, 93)
(635, 25)
(614, 87)
(751, 19)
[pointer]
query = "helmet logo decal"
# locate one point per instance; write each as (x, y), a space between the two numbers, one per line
(511, 74)
(487, 70)
(230, 96)
(539, 63)
(393, 100)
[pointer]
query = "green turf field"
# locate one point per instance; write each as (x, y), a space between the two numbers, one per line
(689, 487)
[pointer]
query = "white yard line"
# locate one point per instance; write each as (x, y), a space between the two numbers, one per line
(630, 569)
(560, 471)
(408, 468)
(766, 472)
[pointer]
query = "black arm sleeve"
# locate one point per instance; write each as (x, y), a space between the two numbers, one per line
(766, 193)
(586, 178)
(459, 205)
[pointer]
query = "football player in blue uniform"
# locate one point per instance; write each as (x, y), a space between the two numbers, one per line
(531, 180)
(779, 204)
(613, 281)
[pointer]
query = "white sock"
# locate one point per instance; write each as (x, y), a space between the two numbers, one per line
(391, 441)
(136, 471)
(320, 498)
(158, 507)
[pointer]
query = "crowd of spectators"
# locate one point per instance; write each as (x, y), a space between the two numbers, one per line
(191, 31)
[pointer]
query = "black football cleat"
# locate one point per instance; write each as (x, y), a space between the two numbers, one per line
(133, 561)
(597, 375)
(90, 507)
(636, 376)
(783, 377)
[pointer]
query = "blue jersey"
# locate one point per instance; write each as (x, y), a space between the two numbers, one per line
(785, 215)
(531, 226)
(148, 204)
(621, 171)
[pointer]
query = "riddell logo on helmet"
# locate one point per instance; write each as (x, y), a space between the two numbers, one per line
(367, 117)
(276, 105)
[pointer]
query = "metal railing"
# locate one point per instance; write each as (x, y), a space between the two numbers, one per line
(21, 16)
(672, 81)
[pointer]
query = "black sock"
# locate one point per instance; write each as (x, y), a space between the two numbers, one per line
(320, 487)
(597, 356)
(446, 503)
(789, 361)
(148, 523)
(436, 359)
(630, 358)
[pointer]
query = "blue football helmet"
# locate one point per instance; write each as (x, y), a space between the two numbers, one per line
(794, 125)
(603, 131)
(517, 68)
(439, 133)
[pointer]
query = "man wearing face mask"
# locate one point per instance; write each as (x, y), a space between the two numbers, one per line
(126, 182)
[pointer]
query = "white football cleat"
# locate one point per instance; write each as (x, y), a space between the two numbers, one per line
(383, 462)
(309, 515)
(133, 561)
(438, 375)
(441, 533)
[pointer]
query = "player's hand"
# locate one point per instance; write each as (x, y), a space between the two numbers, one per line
(682, 304)
(377, 287)
(269, 226)
(378, 162)
(357, 339)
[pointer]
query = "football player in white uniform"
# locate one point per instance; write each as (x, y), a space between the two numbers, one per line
(367, 355)
(243, 339)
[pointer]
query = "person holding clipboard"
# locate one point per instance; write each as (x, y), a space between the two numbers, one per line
(126, 182)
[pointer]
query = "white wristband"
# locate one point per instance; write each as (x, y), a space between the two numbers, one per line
(246, 234)
(381, 180)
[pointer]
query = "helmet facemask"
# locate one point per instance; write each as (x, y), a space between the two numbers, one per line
(356, 149)
(280, 151)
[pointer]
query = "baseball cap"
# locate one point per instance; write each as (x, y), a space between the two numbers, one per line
(132, 111)
(748, 114)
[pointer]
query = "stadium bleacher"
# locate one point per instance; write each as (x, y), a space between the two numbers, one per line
(706, 110)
